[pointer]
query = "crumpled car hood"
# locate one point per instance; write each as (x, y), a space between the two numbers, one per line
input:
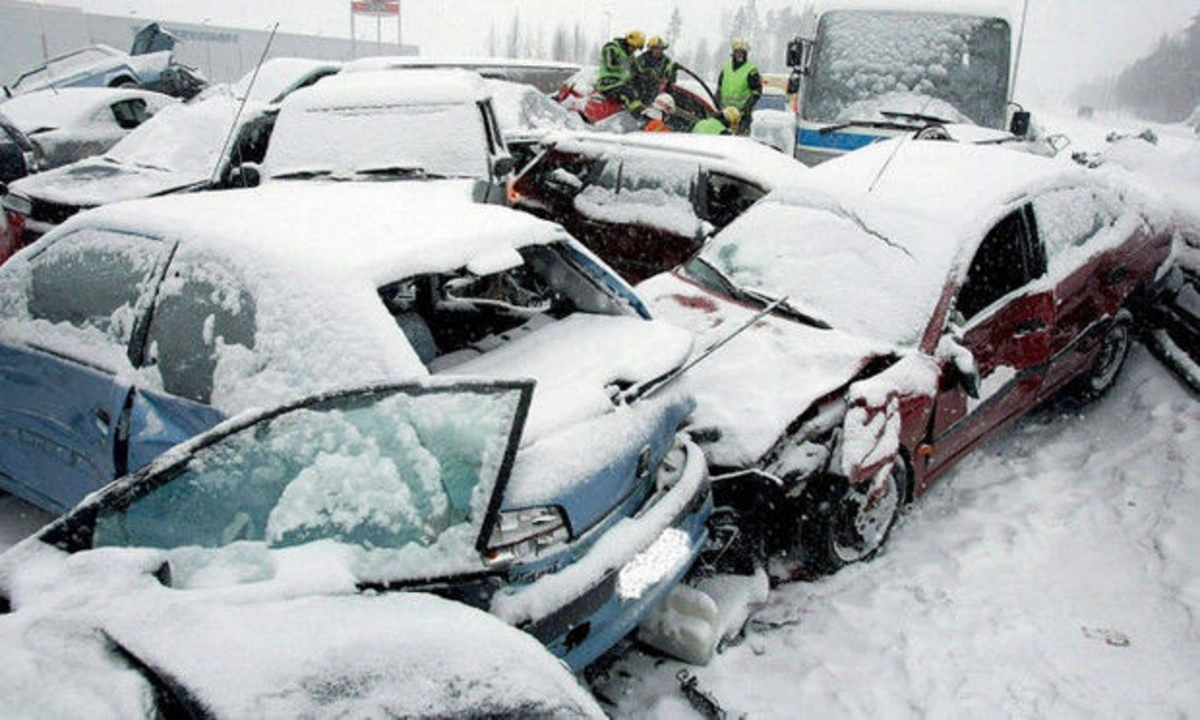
(96, 181)
(751, 388)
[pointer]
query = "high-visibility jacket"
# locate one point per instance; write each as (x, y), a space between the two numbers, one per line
(735, 87)
(710, 126)
(616, 65)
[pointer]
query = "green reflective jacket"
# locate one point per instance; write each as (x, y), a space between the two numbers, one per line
(735, 85)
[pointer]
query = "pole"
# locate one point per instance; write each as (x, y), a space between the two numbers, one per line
(353, 50)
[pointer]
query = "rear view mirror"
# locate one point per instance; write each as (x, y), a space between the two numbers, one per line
(958, 361)
(797, 49)
(793, 82)
(245, 175)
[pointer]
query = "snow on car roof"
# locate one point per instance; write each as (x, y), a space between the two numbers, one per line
(279, 76)
(402, 61)
(44, 109)
(737, 155)
(423, 86)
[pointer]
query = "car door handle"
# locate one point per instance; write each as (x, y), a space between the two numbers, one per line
(1030, 326)
(1116, 275)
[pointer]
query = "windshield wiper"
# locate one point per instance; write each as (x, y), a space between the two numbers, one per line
(880, 124)
(397, 171)
(759, 298)
(915, 116)
(302, 175)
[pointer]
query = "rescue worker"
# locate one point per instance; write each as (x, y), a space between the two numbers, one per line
(657, 69)
(620, 70)
(658, 112)
(739, 85)
(726, 123)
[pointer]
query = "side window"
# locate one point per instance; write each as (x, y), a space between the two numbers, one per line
(727, 197)
(202, 309)
(130, 113)
(97, 281)
(1070, 218)
(1002, 264)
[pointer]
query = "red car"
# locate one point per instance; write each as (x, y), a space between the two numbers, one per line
(693, 100)
(927, 294)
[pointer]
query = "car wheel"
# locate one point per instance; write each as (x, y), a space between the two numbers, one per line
(849, 525)
(1102, 373)
(124, 83)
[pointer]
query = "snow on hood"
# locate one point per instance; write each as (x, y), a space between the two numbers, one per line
(51, 109)
(752, 387)
(260, 651)
(99, 181)
(578, 363)
(185, 138)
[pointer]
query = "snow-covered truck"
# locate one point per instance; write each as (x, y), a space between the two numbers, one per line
(866, 70)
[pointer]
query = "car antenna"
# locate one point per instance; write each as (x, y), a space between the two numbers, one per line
(653, 385)
(233, 128)
(903, 139)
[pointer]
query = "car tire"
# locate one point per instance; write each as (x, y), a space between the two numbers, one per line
(123, 83)
(1106, 366)
(836, 529)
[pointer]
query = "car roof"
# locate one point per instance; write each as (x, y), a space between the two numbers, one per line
(370, 230)
(944, 180)
(62, 106)
(735, 155)
(395, 87)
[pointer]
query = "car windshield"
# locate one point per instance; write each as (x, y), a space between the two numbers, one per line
(406, 472)
(185, 139)
(867, 62)
(772, 101)
(441, 139)
(67, 67)
(831, 267)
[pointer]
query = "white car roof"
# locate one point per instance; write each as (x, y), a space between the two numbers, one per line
(413, 87)
(65, 106)
(739, 156)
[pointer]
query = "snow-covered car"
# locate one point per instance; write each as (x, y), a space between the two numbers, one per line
(184, 148)
(391, 125)
(646, 202)
(19, 156)
(545, 75)
(526, 115)
(1175, 337)
(928, 294)
(289, 561)
(693, 101)
(775, 120)
(148, 65)
(140, 324)
(74, 123)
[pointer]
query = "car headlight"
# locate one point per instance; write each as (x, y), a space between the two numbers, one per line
(14, 202)
(526, 534)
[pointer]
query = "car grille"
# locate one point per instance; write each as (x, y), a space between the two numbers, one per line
(50, 212)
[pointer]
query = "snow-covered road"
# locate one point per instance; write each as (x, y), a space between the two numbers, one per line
(1054, 573)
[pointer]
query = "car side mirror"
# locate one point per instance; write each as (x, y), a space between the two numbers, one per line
(793, 82)
(1019, 125)
(959, 362)
(797, 52)
(245, 175)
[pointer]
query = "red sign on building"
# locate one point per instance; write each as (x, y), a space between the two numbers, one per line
(375, 7)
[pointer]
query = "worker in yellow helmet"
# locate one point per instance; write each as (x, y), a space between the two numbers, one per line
(723, 123)
(739, 85)
(619, 70)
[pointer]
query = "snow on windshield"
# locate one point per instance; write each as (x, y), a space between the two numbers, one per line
(180, 138)
(862, 55)
(347, 139)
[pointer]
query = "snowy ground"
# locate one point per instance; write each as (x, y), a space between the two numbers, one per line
(1054, 573)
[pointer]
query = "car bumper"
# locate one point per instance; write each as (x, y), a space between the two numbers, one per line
(584, 609)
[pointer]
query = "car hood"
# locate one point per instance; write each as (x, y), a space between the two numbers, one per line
(95, 181)
(750, 389)
(260, 649)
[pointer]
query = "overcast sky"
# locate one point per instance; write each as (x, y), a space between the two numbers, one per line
(1068, 41)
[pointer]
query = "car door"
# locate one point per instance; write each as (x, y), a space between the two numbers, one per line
(1004, 316)
(639, 214)
(67, 361)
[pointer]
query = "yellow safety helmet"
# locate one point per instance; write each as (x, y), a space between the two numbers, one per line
(636, 39)
(733, 117)
(740, 45)
(656, 42)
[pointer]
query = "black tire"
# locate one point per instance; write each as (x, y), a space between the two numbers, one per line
(123, 83)
(1110, 357)
(834, 529)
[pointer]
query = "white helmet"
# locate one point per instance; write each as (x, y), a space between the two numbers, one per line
(665, 102)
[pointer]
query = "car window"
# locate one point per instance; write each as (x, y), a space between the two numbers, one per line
(1001, 265)
(1071, 217)
(409, 473)
(726, 197)
(648, 191)
(202, 309)
(96, 281)
(130, 113)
